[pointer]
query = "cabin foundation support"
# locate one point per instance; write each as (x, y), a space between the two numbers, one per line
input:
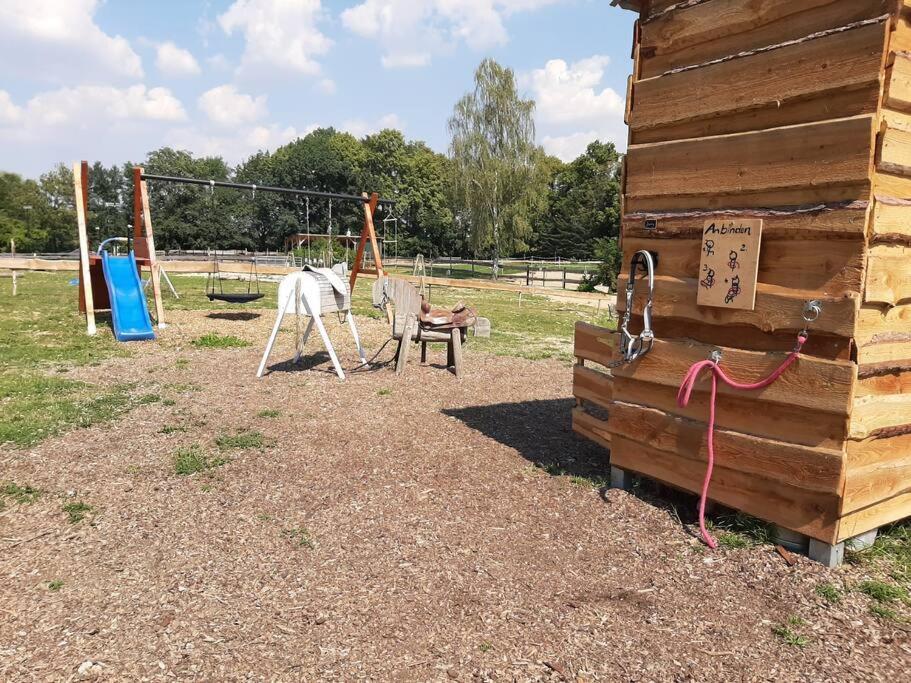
(826, 554)
(620, 479)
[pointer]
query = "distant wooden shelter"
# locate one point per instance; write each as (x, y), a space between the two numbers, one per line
(796, 113)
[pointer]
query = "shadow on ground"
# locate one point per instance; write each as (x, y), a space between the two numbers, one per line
(234, 315)
(541, 431)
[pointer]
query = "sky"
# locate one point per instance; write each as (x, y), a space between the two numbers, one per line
(112, 80)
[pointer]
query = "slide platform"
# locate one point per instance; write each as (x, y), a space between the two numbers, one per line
(129, 311)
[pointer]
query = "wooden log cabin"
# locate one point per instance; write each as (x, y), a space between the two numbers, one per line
(798, 113)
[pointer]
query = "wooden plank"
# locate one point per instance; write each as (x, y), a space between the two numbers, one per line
(748, 338)
(829, 267)
(150, 248)
(893, 154)
(21, 263)
(812, 383)
(809, 512)
(789, 223)
(882, 404)
(739, 413)
(777, 308)
(891, 218)
(840, 60)
(897, 94)
(591, 428)
(596, 344)
(874, 516)
(814, 469)
(80, 182)
(842, 103)
(888, 278)
(883, 333)
(718, 28)
(877, 470)
(806, 196)
(811, 155)
(591, 385)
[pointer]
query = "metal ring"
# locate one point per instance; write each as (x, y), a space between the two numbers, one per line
(811, 310)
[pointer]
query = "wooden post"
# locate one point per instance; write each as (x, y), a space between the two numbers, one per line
(12, 248)
(85, 280)
(150, 243)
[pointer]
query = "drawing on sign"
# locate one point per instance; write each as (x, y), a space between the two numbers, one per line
(729, 263)
(709, 280)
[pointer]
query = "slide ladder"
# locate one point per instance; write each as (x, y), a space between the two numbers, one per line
(129, 311)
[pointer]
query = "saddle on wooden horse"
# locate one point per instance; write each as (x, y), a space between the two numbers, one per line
(460, 317)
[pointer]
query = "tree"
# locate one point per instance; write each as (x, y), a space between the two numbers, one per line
(583, 204)
(495, 158)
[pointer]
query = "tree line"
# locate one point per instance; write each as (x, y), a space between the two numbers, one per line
(495, 194)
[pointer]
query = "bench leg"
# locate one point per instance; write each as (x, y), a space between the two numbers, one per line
(455, 346)
(423, 353)
(405, 343)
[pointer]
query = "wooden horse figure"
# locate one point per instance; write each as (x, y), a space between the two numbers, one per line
(313, 292)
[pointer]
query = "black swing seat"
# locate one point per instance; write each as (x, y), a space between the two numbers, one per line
(234, 298)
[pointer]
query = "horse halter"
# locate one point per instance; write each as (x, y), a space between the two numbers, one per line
(635, 346)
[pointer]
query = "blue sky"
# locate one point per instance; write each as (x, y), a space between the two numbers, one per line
(112, 80)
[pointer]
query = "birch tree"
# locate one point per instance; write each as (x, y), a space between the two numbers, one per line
(495, 156)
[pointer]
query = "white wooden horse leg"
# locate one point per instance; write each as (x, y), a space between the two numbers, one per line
(303, 340)
(328, 343)
(271, 343)
(357, 339)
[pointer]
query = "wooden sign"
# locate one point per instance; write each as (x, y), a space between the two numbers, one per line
(729, 265)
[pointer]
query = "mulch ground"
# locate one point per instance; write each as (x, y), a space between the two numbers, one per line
(439, 550)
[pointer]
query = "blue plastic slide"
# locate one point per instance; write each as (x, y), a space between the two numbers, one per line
(128, 302)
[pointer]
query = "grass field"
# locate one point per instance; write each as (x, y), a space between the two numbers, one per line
(42, 337)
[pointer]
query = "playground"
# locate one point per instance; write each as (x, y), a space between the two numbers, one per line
(189, 520)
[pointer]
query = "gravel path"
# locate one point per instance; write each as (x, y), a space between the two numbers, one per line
(388, 529)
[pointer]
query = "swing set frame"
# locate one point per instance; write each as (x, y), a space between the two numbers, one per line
(92, 290)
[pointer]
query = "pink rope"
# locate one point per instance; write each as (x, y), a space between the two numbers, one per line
(683, 398)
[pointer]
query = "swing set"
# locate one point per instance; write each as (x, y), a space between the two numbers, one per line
(94, 292)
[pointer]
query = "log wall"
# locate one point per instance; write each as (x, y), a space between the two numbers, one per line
(797, 112)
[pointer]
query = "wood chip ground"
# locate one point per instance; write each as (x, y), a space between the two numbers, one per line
(440, 551)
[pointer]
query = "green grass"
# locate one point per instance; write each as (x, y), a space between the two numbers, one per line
(55, 585)
(384, 392)
(181, 363)
(891, 553)
(146, 399)
(19, 494)
(193, 459)
(737, 530)
(242, 440)
(77, 511)
(172, 429)
(301, 537)
(828, 592)
(789, 636)
(268, 412)
(213, 340)
(883, 612)
(882, 591)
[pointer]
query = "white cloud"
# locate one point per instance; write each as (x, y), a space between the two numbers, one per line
(226, 106)
(280, 34)
(58, 40)
(175, 61)
(411, 32)
(360, 127)
(86, 105)
(9, 112)
(219, 61)
(572, 107)
(327, 85)
(237, 146)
